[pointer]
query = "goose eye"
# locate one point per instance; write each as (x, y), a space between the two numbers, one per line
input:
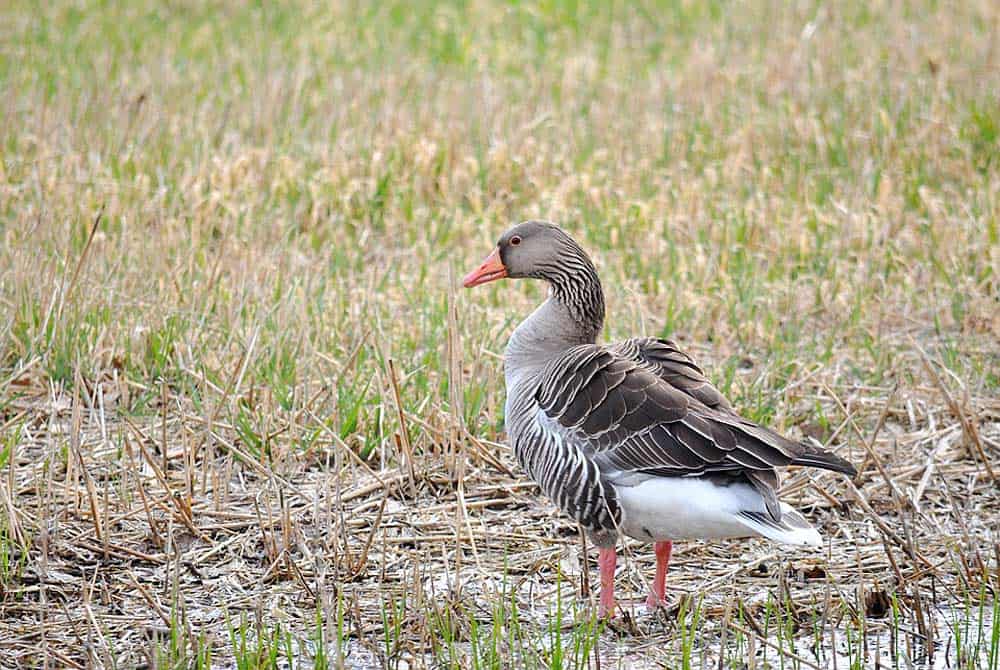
(515, 240)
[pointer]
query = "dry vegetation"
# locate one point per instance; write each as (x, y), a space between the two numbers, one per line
(245, 416)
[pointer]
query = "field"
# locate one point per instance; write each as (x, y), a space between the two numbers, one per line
(249, 419)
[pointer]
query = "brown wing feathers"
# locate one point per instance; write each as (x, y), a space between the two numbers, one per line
(666, 360)
(642, 422)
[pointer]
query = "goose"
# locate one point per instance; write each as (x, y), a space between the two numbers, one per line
(631, 439)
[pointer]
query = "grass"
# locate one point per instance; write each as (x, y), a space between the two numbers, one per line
(235, 370)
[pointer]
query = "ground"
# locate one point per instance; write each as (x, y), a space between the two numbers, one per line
(248, 419)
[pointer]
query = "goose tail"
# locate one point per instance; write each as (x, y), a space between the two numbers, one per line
(812, 455)
(791, 528)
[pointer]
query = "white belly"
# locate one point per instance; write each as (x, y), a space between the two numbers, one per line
(676, 508)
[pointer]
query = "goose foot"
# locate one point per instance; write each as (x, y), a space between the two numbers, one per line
(654, 602)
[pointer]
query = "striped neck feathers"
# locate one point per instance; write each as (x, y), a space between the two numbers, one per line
(576, 288)
(572, 315)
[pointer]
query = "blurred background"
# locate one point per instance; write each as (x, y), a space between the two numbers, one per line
(811, 173)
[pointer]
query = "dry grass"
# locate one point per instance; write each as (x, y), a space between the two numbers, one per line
(244, 412)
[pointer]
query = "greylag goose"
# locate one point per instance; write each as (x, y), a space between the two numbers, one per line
(631, 438)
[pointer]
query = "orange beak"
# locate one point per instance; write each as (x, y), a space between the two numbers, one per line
(491, 269)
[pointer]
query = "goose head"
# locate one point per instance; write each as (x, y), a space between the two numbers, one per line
(543, 250)
(532, 249)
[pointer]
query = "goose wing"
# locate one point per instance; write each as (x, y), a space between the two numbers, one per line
(673, 365)
(633, 420)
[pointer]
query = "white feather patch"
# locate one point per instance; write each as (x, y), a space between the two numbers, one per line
(676, 508)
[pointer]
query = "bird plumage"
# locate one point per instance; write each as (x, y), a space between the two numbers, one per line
(632, 438)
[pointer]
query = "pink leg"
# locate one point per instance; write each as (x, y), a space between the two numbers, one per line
(658, 595)
(606, 558)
